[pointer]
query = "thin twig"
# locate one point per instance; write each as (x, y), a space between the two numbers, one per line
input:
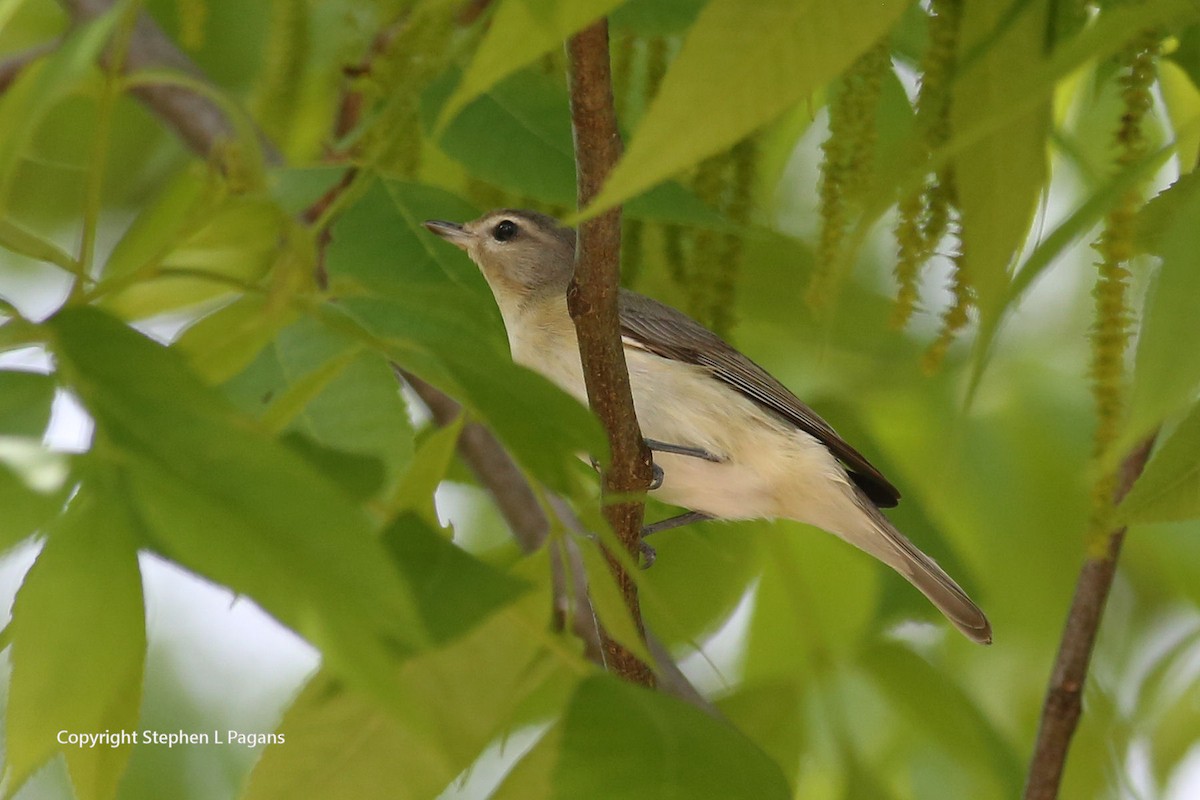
(1063, 703)
(592, 300)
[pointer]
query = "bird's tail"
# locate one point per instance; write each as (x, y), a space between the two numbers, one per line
(893, 548)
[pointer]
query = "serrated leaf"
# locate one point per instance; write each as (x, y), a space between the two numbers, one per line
(1169, 487)
(756, 60)
(999, 178)
(519, 32)
(79, 642)
(620, 740)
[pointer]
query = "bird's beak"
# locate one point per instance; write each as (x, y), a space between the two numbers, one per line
(452, 232)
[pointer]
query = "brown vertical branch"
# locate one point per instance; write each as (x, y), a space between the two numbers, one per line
(1063, 703)
(592, 299)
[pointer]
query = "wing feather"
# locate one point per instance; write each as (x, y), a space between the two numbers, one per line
(668, 333)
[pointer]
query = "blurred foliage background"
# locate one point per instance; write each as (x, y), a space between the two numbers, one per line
(211, 481)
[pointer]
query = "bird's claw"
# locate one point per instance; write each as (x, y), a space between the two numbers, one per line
(648, 554)
(656, 481)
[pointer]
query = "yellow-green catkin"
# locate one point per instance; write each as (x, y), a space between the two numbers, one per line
(846, 168)
(704, 265)
(284, 59)
(954, 318)
(738, 208)
(1111, 330)
(193, 18)
(708, 272)
(924, 216)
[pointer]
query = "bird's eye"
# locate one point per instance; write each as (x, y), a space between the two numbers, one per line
(505, 229)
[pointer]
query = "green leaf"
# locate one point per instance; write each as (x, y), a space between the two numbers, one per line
(999, 178)
(756, 60)
(455, 700)
(79, 642)
(485, 380)
(174, 213)
(656, 17)
(223, 499)
(532, 777)
(227, 341)
(214, 250)
(620, 740)
(1169, 487)
(959, 724)
(519, 32)
(817, 596)
(517, 135)
(772, 714)
(429, 465)
(329, 388)
(25, 399)
(361, 477)
(454, 590)
(380, 244)
(24, 242)
(28, 507)
(44, 84)
(1166, 375)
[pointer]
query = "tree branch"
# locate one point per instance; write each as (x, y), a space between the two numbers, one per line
(1063, 703)
(592, 300)
(196, 119)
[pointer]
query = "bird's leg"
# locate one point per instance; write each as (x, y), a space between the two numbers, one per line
(682, 450)
(677, 449)
(666, 525)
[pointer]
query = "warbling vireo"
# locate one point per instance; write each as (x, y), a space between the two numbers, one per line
(731, 441)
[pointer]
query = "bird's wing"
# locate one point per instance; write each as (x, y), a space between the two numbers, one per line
(670, 334)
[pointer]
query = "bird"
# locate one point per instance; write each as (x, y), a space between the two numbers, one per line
(729, 440)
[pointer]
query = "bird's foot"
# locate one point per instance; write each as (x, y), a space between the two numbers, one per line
(648, 554)
(666, 525)
(656, 481)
